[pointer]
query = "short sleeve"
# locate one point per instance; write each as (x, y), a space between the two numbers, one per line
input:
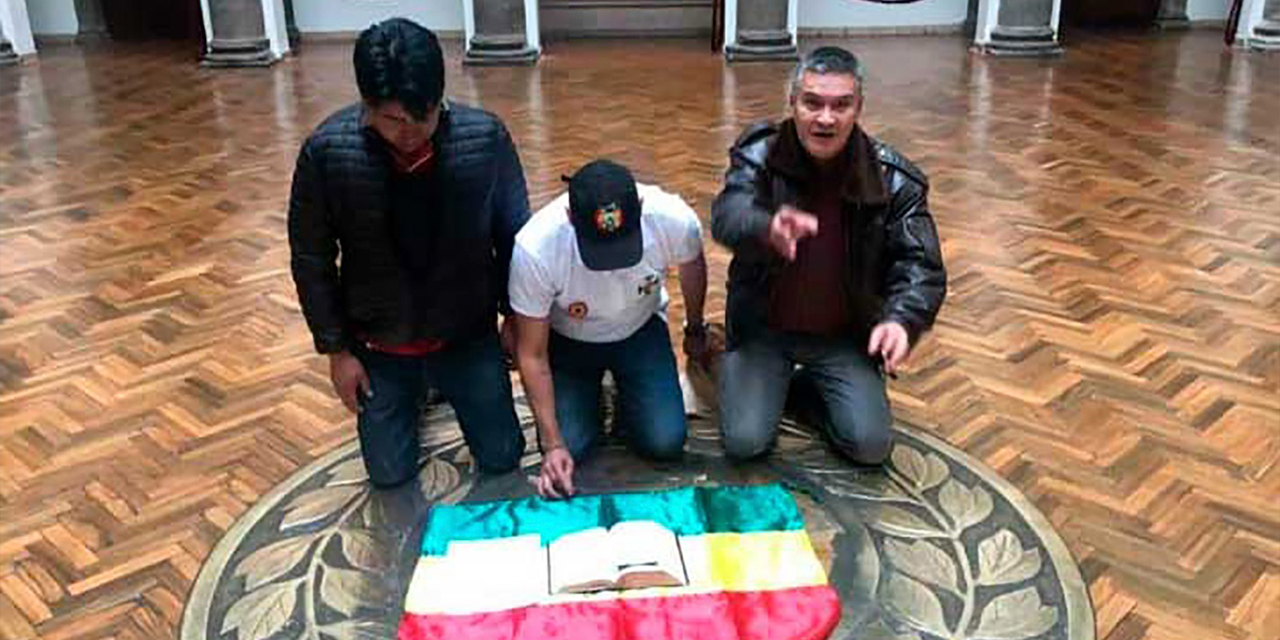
(531, 290)
(685, 234)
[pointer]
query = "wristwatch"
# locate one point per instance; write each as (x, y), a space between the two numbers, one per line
(698, 329)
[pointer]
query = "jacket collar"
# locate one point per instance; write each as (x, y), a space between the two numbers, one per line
(863, 181)
(438, 139)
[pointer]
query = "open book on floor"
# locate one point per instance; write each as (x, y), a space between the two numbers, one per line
(630, 555)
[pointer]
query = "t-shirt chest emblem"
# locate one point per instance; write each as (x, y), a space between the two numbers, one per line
(578, 310)
(649, 285)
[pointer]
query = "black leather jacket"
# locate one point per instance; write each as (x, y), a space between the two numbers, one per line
(447, 279)
(896, 264)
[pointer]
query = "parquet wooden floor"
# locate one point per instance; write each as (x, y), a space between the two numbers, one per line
(1111, 345)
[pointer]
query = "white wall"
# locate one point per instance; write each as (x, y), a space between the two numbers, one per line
(1208, 9)
(53, 17)
(446, 15)
(17, 27)
(356, 15)
(837, 14)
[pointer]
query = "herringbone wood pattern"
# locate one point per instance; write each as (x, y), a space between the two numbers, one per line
(1111, 344)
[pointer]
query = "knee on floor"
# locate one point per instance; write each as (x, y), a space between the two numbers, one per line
(494, 460)
(390, 476)
(667, 446)
(867, 446)
(744, 447)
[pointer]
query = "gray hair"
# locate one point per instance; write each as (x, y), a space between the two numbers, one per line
(824, 60)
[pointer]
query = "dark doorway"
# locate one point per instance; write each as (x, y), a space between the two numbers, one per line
(154, 19)
(1109, 13)
(561, 19)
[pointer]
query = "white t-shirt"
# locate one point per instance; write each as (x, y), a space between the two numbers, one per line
(548, 277)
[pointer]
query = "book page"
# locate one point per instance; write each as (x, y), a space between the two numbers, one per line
(581, 562)
(492, 575)
(646, 554)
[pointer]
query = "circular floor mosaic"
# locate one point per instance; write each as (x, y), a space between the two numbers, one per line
(934, 545)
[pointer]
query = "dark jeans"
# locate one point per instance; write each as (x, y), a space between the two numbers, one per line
(836, 375)
(472, 378)
(650, 404)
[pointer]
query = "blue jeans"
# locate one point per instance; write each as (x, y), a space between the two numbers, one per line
(650, 404)
(838, 387)
(472, 378)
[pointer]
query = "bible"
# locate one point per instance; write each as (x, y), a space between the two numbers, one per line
(630, 555)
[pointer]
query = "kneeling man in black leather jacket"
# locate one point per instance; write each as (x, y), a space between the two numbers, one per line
(836, 267)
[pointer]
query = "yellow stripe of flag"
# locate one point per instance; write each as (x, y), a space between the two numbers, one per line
(718, 562)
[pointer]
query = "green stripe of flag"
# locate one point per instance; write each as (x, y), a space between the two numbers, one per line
(688, 511)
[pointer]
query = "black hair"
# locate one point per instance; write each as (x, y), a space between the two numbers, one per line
(400, 60)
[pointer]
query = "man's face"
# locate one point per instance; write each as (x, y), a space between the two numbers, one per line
(826, 108)
(400, 129)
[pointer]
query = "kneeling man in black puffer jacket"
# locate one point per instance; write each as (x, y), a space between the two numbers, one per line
(402, 217)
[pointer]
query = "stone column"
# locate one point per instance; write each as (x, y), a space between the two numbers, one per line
(237, 33)
(1173, 15)
(501, 32)
(7, 56)
(93, 23)
(1259, 25)
(760, 30)
(1018, 27)
(15, 32)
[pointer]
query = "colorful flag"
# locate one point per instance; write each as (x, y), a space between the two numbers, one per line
(749, 570)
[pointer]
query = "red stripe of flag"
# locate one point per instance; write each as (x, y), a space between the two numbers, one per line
(805, 613)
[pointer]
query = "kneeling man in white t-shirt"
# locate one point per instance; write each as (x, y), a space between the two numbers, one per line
(586, 284)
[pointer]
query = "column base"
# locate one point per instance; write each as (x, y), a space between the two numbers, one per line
(1022, 41)
(1173, 23)
(238, 53)
(7, 55)
(505, 50)
(1261, 44)
(762, 46)
(1265, 37)
(92, 36)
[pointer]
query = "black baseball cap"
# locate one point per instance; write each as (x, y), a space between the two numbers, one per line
(604, 207)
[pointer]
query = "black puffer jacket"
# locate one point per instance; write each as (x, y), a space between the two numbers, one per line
(896, 264)
(454, 278)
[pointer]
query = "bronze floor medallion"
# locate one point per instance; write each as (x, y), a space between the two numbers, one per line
(933, 546)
